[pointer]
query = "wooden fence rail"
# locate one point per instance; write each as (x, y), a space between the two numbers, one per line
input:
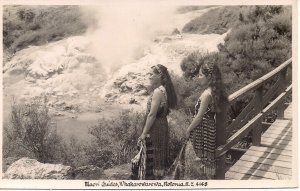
(251, 117)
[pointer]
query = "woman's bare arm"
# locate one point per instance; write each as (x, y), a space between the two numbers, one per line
(205, 100)
(156, 99)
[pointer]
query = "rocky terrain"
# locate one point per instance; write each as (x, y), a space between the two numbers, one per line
(26, 168)
(74, 81)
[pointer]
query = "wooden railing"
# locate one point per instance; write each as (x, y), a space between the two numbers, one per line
(251, 117)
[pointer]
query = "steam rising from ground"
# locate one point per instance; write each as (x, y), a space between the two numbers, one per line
(72, 73)
(124, 31)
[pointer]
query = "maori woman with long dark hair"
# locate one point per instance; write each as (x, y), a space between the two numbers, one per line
(200, 162)
(156, 130)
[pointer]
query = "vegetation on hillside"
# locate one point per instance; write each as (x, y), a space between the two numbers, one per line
(31, 133)
(260, 41)
(217, 20)
(37, 25)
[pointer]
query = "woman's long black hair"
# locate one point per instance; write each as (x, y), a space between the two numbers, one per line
(168, 85)
(219, 95)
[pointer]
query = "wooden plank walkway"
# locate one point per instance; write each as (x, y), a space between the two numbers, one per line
(272, 159)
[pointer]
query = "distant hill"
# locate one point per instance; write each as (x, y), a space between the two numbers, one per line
(37, 25)
(185, 9)
(217, 20)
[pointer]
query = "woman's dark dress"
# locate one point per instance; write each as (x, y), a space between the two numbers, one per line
(157, 140)
(200, 149)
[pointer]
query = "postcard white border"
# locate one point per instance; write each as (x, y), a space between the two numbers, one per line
(80, 184)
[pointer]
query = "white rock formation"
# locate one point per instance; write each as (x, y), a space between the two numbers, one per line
(26, 168)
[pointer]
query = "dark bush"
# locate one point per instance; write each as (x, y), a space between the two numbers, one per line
(101, 157)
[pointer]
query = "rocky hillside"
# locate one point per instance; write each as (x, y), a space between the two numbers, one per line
(62, 71)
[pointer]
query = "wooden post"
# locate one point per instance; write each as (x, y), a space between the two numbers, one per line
(283, 78)
(256, 132)
(221, 140)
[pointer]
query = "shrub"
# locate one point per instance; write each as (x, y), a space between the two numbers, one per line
(74, 153)
(116, 139)
(30, 133)
(282, 23)
(178, 123)
(101, 157)
(188, 92)
(191, 64)
(25, 15)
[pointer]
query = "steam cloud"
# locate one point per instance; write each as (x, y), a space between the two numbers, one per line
(124, 30)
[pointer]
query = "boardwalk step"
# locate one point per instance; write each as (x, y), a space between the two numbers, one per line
(240, 176)
(281, 127)
(275, 136)
(276, 141)
(259, 173)
(268, 155)
(266, 161)
(279, 132)
(276, 145)
(271, 150)
(265, 167)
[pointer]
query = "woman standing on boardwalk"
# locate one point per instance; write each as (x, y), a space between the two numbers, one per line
(200, 161)
(156, 130)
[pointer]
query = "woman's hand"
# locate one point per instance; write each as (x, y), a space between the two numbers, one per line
(141, 138)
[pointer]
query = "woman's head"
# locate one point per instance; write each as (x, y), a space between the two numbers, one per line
(210, 76)
(160, 76)
(205, 73)
(155, 76)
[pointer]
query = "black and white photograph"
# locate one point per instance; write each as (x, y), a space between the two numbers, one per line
(141, 94)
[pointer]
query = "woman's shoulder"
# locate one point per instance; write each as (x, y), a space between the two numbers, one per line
(160, 90)
(206, 94)
(160, 93)
(157, 92)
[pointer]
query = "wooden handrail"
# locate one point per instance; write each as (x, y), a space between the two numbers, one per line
(257, 83)
(250, 119)
(251, 124)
